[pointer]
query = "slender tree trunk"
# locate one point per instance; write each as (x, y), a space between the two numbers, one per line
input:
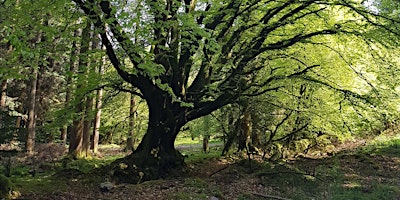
(32, 103)
(73, 62)
(63, 135)
(206, 133)
(86, 127)
(97, 119)
(244, 131)
(76, 139)
(90, 98)
(30, 139)
(130, 142)
(17, 125)
(3, 94)
(206, 139)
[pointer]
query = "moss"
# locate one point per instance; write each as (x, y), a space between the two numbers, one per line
(5, 187)
(134, 169)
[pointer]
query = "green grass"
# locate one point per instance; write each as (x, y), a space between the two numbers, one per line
(196, 188)
(198, 155)
(384, 145)
(180, 140)
(184, 140)
(359, 174)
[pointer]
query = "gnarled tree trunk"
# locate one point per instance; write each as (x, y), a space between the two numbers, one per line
(156, 156)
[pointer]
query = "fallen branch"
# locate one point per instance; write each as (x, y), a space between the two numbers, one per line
(269, 196)
(219, 170)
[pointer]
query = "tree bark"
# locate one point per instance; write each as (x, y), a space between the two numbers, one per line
(206, 133)
(76, 139)
(244, 131)
(97, 119)
(18, 123)
(3, 94)
(155, 157)
(73, 62)
(206, 139)
(86, 127)
(30, 138)
(130, 142)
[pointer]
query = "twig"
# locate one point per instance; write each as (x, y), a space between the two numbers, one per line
(269, 196)
(212, 174)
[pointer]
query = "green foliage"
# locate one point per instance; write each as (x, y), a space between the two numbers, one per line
(204, 126)
(5, 187)
(20, 171)
(115, 114)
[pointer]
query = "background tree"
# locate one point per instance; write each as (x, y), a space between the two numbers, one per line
(130, 142)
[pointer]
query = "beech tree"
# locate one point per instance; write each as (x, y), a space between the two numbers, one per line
(205, 55)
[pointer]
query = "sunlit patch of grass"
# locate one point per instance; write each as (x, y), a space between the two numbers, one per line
(372, 190)
(185, 140)
(351, 185)
(196, 156)
(37, 185)
(384, 145)
(109, 146)
(87, 165)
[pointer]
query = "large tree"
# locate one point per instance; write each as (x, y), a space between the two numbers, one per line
(205, 54)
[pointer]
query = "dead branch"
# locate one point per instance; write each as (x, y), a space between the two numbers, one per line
(219, 170)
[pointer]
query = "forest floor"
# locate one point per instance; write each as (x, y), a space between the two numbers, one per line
(357, 170)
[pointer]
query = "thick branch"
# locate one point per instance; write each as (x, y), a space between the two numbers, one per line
(139, 80)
